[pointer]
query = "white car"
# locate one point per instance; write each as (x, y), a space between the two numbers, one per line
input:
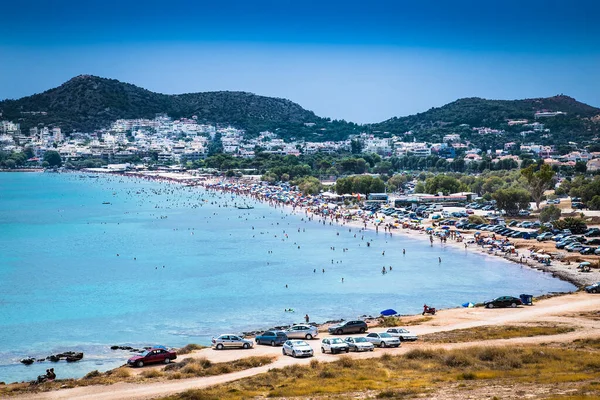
(359, 344)
(334, 346)
(402, 334)
(383, 339)
(302, 331)
(297, 348)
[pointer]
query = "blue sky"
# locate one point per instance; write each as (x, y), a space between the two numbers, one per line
(363, 61)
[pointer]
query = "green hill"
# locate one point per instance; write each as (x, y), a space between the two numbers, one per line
(87, 103)
(578, 124)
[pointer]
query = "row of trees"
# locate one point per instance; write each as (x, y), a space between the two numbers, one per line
(19, 159)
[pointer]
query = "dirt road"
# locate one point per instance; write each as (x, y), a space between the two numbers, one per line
(563, 309)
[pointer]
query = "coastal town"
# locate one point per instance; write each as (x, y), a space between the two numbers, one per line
(168, 141)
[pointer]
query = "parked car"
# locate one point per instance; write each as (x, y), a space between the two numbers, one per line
(383, 339)
(578, 206)
(297, 348)
(587, 250)
(504, 301)
(354, 326)
(274, 338)
(334, 346)
(402, 334)
(592, 232)
(576, 246)
(562, 244)
(595, 288)
(230, 341)
(152, 356)
(359, 344)
(302, 331)
(544, 236)
(524, 213)
(594, 241)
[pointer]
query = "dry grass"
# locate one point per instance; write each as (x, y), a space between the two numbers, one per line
(417, 321)
(186, 368)
(189, 348)
(495, 332)
(419, 373)
(390, 322)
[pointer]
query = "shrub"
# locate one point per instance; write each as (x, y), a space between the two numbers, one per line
(120, 373)
(467, 376)
(389, 322)
(189, 348)
(314, 363)
(418, 354)
(92, 374)
(491, 353)
(345, 362)
(327, 373)
(151, 373)
(457, 360)
(176, 375)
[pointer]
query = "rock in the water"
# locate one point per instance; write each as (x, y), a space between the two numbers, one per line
(28, 360)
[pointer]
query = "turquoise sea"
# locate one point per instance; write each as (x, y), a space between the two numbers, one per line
(168, 264)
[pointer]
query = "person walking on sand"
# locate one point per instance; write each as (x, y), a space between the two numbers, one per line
(306, 318)
(440, 260)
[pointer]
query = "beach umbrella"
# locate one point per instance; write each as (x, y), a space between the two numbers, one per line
(388, 312)
(468, 305)
(584, 264)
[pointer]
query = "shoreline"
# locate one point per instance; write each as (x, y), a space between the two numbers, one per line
(557, 269)
(208, 184)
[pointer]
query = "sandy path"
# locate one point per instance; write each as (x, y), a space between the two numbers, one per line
(556, 309)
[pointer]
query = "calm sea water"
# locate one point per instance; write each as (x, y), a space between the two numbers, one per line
(166, 264)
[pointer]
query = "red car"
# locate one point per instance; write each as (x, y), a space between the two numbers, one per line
(152, 356)
(470, 212)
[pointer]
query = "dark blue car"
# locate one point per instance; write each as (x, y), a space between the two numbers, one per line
(274, 338)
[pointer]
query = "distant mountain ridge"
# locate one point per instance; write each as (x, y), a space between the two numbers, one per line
(86, 103)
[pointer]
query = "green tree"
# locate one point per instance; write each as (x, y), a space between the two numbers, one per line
(53, 158)
(550, 213)
(356, 147)
(581, 167)
(442, 183)
(511, 200)
(309, 185)
(594, 203)
(396, 182)
(538, 181)
(10, 163)
(574, 224)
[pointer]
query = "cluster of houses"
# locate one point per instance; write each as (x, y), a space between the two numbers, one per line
(182, 140)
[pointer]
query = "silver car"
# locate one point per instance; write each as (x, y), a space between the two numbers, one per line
(297, 348)
(302, 331)
(334, 346)
(383, 339)
(231, 341)
(402, 334)
(359, 344)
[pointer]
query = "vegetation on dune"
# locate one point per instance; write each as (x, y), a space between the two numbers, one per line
(189, 348)
(185, 368)
(495, 332)
(417, 373)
